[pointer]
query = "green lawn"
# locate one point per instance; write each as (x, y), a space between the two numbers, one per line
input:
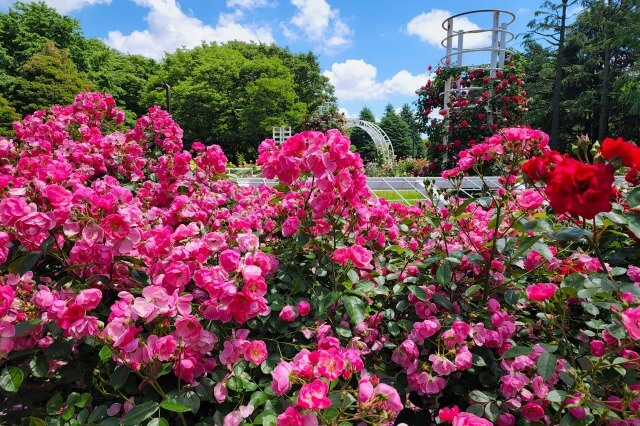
(410, 195)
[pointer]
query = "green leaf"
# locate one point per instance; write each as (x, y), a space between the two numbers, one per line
(442, 301)
(633, 199)
(158, 422)
(353, 276)
(546, 365)
(23, 264)
(119, 376)
(543, 249)
(24, 327)
(479, 396)
(258, 398)
(181, 404)
(327, 300)
(556, 395)
(11, 378)
(105, 353)
(517, 351)
(570, 234)
(525, 245)
(46, 245)
(463, 206)
(97, 414)
(59, 349)
(39, 366)
(140, 413)
(302, 238)
(33, 421)
(140, 276)
(633, 220)
(418, 292)
(443, 274)
(356, 308)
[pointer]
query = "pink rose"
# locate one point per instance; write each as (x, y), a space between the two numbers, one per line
(468, 419)
(313, 396)
(631, 321)
(248, 241)
(287, 314)
(6, 299)
(303, 308)
(532, 411)
(361, 257)
(281, 378)
(597, 348)
(88, 299)
(448, 414)
(256, 352)
(290, 226)
(541, 291)
(341, 255)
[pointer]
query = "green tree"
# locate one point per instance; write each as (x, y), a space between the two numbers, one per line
(361, 139)
(8, 115)
(398, 132)
(229, 96)
(47, 78)
(417, 145)
(27, 27)
(551, 25)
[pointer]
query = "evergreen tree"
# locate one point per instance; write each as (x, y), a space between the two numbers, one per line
(398, 132)
(362, 141)
(417, 145)
(47, 78)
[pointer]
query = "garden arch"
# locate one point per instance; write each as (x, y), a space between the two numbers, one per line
(380, 138)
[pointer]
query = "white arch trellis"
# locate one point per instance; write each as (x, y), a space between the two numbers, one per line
(380, 138)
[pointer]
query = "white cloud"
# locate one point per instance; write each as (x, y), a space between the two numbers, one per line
(355, 79)
(62, 6)
(428, 27)
(523, 10)
(170, 28)
(319, 23)
(249, 4)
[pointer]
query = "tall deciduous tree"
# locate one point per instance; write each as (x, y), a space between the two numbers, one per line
(47, 78)
(8, 115)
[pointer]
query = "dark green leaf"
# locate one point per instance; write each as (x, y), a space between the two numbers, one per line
(356, 308)
(158, 422)
(418, 292)
(525, 245)
(140, 276)
(570, 234)
(463, 206)
(258, 398)
(302, 238)
(59, 349)
(517, 351)
(140, 413)
(119, 376)
(443, 274)
(39, 367)
(24, 327)
(633, 220)
(442, 301)
(11, 378)
(546, 365)
(327, 300)
(24, 264)
(97, 414)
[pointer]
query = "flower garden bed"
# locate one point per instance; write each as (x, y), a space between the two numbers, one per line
(141, 286)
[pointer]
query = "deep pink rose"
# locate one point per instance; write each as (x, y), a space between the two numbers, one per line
(290, 226)
(287, 314)
(631, 321)
(303, 308)
(597, 348)
(360, 256)
(468, 419)
(541, 291)
(313, 396)
(532, 411)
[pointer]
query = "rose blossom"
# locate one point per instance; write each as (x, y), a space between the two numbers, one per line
(541, 291)
(287, 314)
(313, 396)
(631, 321)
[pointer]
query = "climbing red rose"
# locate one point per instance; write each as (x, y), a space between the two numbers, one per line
(580, 189)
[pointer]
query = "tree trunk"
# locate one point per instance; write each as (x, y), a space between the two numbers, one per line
(554, 138)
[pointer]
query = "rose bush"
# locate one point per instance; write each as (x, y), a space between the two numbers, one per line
(141, 286)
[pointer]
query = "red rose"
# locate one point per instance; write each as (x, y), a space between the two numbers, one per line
(580, 189)
(538, 169)
(625, 151)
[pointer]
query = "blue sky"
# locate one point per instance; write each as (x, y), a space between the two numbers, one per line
(374, 51)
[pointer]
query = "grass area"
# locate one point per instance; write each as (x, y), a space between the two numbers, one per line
(410, 195)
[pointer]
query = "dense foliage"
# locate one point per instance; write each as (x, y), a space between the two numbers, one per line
(141, 286)
(479, 103)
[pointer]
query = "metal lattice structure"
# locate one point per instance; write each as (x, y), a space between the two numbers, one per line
(281, 134)
(457, 52)
(380, 138)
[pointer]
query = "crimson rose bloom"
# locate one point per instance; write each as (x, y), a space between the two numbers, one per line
(580, 189)
(627, 152)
